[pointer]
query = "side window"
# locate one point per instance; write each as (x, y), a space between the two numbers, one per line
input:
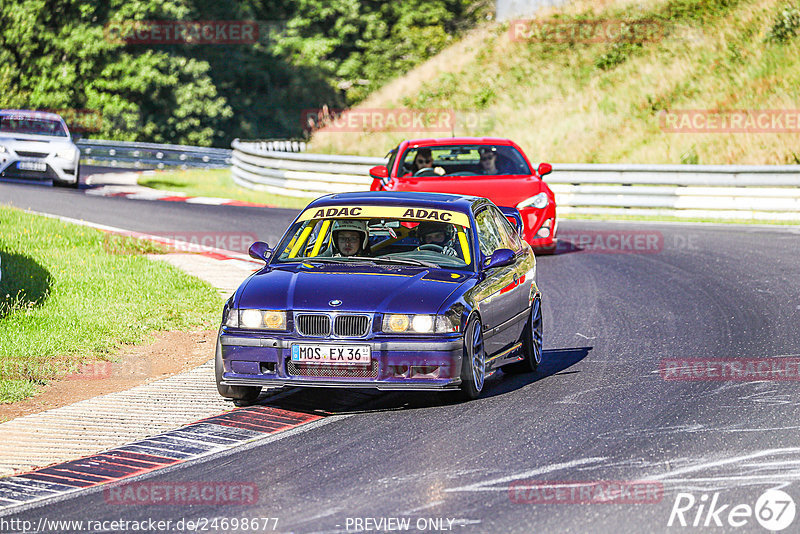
(508, 234)
(488, 237)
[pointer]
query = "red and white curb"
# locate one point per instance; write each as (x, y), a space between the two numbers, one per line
(146, 193)
(203, 438)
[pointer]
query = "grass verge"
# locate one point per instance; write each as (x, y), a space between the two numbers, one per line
(215, 183)
(69, 294)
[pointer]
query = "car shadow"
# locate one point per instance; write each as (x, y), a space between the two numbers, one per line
(23, 283)
(340, 401)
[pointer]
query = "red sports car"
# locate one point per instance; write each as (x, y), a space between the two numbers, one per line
(482, 166)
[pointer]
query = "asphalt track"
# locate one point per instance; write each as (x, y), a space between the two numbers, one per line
(598, 409)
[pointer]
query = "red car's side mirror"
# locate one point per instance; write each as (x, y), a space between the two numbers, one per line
(544, 168)
(380, 172)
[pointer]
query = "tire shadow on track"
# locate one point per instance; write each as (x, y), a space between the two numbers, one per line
(554, 362)
(340, 401)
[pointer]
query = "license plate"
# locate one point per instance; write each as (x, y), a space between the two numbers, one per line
(332, 354)
(32, 166)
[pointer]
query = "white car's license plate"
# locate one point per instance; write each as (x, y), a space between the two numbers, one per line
(332, 354)
(32, 166)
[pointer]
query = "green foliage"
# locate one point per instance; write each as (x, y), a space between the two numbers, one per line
(61, 55)
(690, 157)
(617, 53)
(786, 25)
(363, 44)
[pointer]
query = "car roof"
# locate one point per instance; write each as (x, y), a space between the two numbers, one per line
(31, 114)
(400, 198)
(447, 141)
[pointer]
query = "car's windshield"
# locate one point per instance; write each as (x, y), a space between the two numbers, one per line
(463, 160)
(14, 124)
(408, 236)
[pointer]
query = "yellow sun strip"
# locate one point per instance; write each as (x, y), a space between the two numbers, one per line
(462, 240)
(406, 213)
(323, 231)
(301, 241)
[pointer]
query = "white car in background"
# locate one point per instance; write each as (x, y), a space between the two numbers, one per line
(37, 145)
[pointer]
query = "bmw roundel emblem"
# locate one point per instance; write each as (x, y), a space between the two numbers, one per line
(335, 302)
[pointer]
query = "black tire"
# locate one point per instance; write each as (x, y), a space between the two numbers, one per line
(473, 363)
(531, 343)
(72, 185)
(241, 395)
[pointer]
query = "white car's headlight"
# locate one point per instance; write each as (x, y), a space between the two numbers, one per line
(537, 201)
(396, 323)
(66, 153)
(3, 150)
(257, 319)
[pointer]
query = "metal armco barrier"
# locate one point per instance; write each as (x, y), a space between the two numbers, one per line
(302, 175)
(765, 192)
(150, 155)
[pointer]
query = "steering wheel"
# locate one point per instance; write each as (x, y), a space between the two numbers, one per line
(425, 171)
(431, 246)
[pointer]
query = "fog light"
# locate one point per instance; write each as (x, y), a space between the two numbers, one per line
(544, 231)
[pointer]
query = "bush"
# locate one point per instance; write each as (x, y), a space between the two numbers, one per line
(786, 25)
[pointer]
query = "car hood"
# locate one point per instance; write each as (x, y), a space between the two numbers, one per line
(359, 288)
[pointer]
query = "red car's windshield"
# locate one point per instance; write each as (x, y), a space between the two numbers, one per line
(463, 160)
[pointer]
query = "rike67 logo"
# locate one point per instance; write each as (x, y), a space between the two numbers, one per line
(774, 510)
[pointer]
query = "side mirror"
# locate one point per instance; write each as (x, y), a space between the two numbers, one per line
(544, 168)
(379, 172)
(499, 258)
(260, 251)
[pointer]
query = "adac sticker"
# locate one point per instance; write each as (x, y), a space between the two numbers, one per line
(389, 212)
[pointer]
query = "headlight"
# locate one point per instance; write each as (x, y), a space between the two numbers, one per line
(257, 319)
(418, 324)
(538, 201)
(66, 153)
(3, 150)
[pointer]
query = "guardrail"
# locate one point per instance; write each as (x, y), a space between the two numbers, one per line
(150, 155)
(298, 174)
(690, 191)
(754, 192)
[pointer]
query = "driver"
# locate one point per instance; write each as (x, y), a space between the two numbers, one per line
(350, 238)
(436, 233)
(424, 160)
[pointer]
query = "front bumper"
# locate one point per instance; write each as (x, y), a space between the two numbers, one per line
(430, 364)
(55, 168)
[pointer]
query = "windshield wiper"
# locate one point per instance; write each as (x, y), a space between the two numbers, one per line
(407, 261)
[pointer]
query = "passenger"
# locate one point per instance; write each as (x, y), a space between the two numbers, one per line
(350, 238)
(488, 160)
